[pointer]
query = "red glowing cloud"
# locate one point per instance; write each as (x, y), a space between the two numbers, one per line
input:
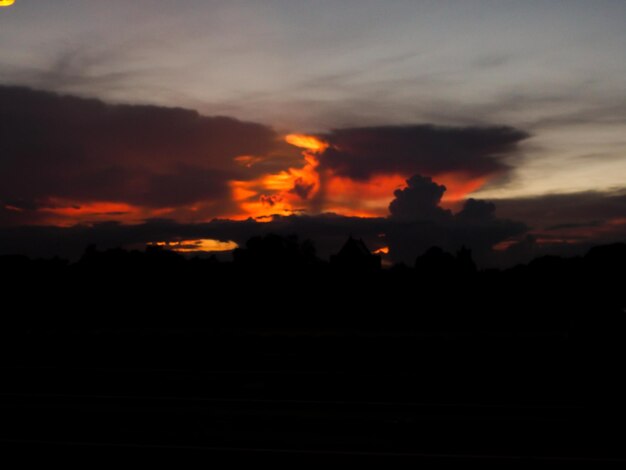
(313, 189)
(132, 163)
(284, 192)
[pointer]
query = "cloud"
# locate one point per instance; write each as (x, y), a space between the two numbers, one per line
(416, 224)
(429, 150)
(57, 148)
(571, 222)
(477, 210)
(421, 223)
(63, 157)
(419, 200)
(566, 208)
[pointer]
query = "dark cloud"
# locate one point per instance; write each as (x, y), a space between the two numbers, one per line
(419, 200)
(302, 188)
(592, 223)
(421, 223)
(71, 148)
(566, 224)
(185, 185)
(425, 149)
(58, 153)
(477, 210)
(571, 210)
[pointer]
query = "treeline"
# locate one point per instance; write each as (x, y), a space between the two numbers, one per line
(279, 281)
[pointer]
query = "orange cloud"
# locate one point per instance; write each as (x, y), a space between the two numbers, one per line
(295, 189)
(369, 198)
(65, 213)
(308, 142)
(284, 192)
(459, 186)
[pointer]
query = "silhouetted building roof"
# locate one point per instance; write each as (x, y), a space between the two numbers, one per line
(355, 255)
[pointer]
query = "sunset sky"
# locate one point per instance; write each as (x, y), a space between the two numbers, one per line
(154, 113)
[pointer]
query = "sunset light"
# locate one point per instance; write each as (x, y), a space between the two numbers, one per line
(317, 231)
(232, 124)
(308, 142)
(285, 192)
(199, 245)
(459, 186)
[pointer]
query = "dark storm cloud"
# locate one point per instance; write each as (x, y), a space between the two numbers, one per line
(426, 149)
(574, 210)
(420, 223)
(476, 209)
(186, 185)
(54, 146)
(419, 200)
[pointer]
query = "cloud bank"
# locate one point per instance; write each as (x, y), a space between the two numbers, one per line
(58, 151)
(76, 171)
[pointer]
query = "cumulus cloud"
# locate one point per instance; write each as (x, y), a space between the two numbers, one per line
(421, 223)
(477, 210)
(419, 200)
(430, 150)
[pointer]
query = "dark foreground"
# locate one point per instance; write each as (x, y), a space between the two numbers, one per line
(316, 396)
(282, 357)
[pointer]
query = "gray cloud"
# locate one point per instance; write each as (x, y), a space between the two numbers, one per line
(426, 149)
(588, 208)
(54, 146)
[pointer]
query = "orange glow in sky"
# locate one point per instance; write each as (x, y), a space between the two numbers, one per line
(308, 142)
(369, 198)
(292, 190)
(203, 244)
(67, 213)
(579, 234)
(284, 192)
(91, 208)
(305, 188)
(247, 160)
(459, 186)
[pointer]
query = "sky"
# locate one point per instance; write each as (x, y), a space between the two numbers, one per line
(194, 110)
